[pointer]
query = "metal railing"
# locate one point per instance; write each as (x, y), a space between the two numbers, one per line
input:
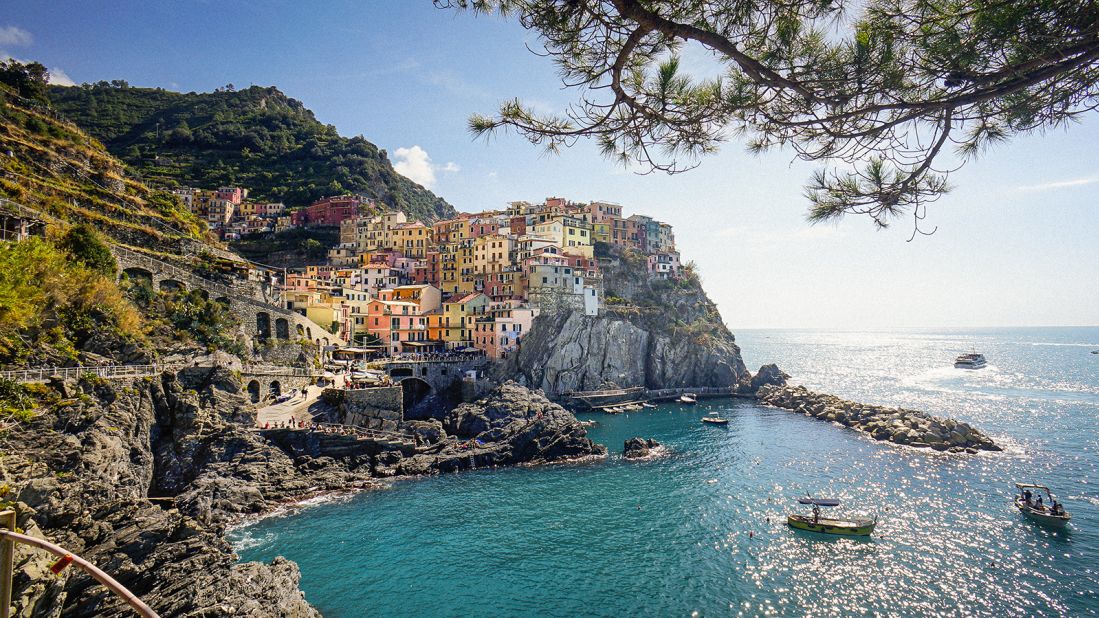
(278, 370)
(105, 371)
(8, 539)
(358, 432)
(711, 391)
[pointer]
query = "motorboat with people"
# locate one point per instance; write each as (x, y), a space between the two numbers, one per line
(688, 398)
(973, 360)
(852, 526)
(715, 420)
(1045, 509)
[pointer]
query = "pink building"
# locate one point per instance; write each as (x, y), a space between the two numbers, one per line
(500, 332)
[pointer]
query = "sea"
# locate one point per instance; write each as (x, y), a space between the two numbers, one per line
(700, 530)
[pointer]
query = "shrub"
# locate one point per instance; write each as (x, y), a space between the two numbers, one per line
(207, 321)
(48, 299)
(85, 245)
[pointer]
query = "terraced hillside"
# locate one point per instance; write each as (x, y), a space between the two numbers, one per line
(53, 167)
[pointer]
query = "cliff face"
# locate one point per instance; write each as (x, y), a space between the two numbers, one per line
(102, 473)
(653, 333)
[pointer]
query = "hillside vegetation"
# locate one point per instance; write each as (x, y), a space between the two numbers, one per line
(51, 166)
(60, 303)
(256, 138)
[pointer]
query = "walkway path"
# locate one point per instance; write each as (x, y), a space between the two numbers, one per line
(295, 409)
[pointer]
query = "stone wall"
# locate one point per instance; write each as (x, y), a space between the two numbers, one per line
(373, 408)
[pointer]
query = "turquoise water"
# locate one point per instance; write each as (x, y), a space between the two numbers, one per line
(700, 531)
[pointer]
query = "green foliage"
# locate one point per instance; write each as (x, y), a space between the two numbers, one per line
(313, 248)
(206, 321)
(257, 138)
(287, 241)
(877, 91)
(29, 81)
(15, 401)
(49, 301)
(86, 246)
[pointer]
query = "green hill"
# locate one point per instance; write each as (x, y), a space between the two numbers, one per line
(256, 138)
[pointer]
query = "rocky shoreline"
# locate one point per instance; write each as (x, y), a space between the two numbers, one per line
(911, 428)
(145, 477)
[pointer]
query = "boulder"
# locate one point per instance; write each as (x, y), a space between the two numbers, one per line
(635, 448)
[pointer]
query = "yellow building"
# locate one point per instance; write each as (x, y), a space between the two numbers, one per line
(572, 234)
(411, 239)
(457, 319)
(601, 232)
(491, 253)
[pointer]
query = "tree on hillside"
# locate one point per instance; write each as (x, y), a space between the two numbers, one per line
(877, 90)
(29, 81)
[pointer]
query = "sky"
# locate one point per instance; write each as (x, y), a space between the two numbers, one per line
(1017, 240)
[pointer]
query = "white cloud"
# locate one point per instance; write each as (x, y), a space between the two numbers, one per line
(1060, 184)
(60, 78)
(14, 35)
(415, 164)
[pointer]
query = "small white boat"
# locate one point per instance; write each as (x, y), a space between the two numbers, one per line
(648, 405)
(1047, 511)
(972, 360)
(688, 398)
(715, 420)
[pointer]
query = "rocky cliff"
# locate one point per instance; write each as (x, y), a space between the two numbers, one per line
(653, 332)
(143, 477)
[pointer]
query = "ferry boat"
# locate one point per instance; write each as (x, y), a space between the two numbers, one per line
(1050, 513)
(854, 526)
(972, 360)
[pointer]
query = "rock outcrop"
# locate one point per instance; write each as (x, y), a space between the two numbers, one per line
(768, 375)
(510, 425)
(908, 427)
(656, 333)
(125, 475)
(637, 448)
(569, 351)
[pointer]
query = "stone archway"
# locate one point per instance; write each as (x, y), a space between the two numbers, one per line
(139, 276)
(413, 391)
(253, 391)
(282, 329)
(171, 285)
(263, 325)
(276, 388)
(300, 330)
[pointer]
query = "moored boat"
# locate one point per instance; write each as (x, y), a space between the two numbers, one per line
(972, 360)
(715, 420)
(688, 398)
(1051, 513)
(853, 526)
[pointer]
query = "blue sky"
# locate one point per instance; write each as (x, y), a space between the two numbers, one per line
(1017, 240)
